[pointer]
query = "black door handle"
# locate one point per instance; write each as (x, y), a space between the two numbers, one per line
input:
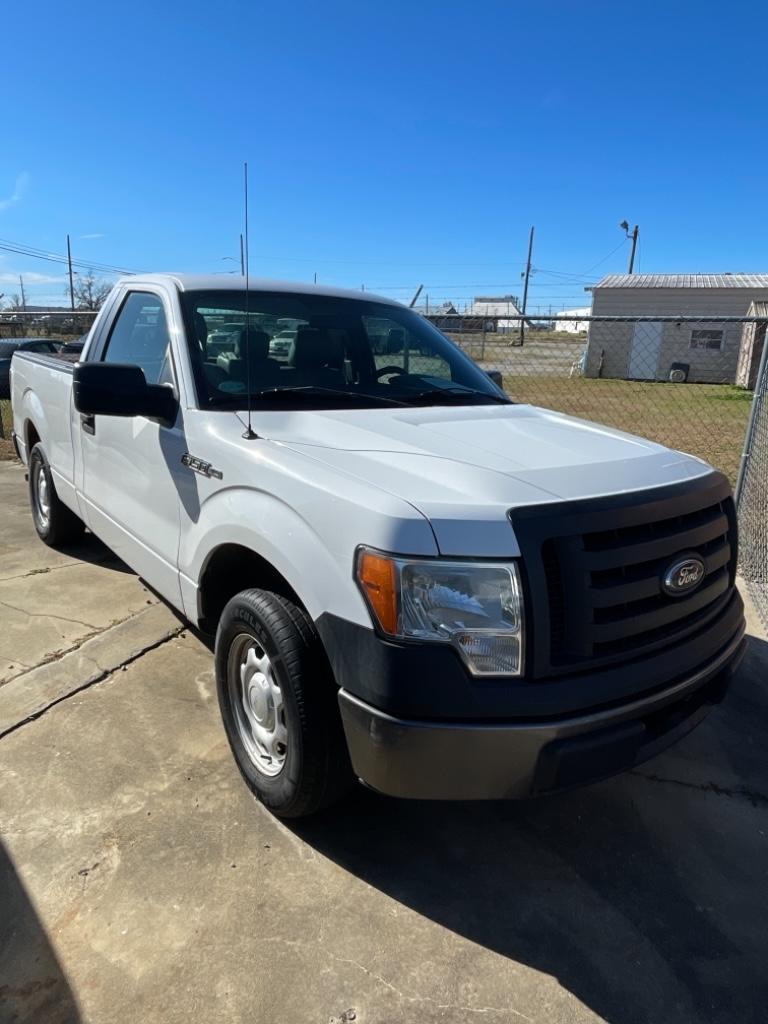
(88, 424)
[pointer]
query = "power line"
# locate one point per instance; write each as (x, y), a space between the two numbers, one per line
(605, 258)
(42, 254)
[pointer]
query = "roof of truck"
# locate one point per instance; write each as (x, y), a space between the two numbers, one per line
(234, 282)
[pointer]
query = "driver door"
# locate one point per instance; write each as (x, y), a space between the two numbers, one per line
(131, 465)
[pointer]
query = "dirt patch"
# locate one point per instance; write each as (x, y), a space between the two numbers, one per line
(7, 452)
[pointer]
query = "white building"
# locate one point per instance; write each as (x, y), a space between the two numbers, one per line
(498, 309)
(575, 325)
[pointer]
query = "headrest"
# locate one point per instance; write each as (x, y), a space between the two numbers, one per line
(201, 329)
(316, 349)
(258, 345)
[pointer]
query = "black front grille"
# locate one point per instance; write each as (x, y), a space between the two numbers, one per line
(594, 571)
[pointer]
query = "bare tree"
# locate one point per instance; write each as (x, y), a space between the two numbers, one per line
(90, 291)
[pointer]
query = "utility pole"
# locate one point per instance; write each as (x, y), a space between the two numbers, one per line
(242, 257)
(23, 296)
(634, 249)
(625, 225)
(413, 301)
(525, 286)
(71, 281)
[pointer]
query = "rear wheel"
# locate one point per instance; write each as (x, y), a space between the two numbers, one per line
(279, 705)
(55, 523)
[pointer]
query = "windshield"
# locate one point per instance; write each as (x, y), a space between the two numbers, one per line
(298, 349)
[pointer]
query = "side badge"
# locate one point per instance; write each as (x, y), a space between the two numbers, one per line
(200, 466)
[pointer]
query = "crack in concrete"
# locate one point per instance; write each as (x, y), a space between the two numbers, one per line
(105, 674)
(58, 655)
(52, 568)
(757, 799)
(315, 947)
(64, 651)
(48, 615)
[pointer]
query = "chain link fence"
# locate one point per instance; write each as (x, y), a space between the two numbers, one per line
(752, 496)
(42, 331)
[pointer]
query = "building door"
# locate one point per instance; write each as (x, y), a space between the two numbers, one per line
(644, 357)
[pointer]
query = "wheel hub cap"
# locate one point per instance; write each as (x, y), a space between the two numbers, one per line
(43, 501)
(258, 705)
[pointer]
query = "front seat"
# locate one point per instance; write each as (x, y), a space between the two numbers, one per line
(213, 373)
(318, 357)
(251, 351)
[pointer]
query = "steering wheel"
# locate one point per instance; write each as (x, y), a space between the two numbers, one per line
(389, 369)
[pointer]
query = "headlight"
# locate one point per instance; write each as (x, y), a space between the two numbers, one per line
(475, 606)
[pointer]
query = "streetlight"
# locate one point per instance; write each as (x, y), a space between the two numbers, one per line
(625, 228)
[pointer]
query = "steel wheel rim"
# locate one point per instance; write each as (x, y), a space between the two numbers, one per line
(257, 703)
(42, 498)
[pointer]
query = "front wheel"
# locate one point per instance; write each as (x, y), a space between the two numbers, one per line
(279, 705)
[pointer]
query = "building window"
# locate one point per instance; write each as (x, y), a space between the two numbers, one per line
(707, 339)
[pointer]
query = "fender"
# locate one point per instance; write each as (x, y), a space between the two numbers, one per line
(32, 413)
(54, 433)
(316, 566)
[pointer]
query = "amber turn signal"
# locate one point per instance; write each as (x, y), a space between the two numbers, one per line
(377, 576)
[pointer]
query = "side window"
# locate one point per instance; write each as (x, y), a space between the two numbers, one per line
(394, 345)
(140, 336)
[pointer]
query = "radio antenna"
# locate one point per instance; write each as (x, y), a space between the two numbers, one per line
(249, 434)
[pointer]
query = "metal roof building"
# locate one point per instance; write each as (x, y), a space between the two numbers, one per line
(684, 281)
(654, 349)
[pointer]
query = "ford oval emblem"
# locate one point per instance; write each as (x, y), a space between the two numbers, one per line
(683, 576)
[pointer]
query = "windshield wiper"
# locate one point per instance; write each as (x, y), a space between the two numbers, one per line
(459, 393)
(316, 391)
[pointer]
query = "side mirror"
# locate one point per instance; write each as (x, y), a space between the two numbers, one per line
(496, 377)
(120, 389)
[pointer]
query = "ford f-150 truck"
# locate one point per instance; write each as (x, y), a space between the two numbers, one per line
(413, 581)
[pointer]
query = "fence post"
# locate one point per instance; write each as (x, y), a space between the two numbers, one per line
(757, 401)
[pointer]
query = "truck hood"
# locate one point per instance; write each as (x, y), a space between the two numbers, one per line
(474, 464)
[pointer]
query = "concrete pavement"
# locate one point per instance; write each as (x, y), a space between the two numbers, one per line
(139, 881)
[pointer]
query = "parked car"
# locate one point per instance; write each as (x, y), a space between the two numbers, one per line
(281, 342)
(10, 345)
(412, 580)
(74, 347)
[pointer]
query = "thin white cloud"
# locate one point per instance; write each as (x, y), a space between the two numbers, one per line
(95, 234)
(22, 181)
(32, 278)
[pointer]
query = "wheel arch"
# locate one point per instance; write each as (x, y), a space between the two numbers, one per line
(228, 569)
(31, 435)
(312, 563)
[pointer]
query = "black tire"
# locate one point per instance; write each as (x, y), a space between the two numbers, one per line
(315, 770)
(58, 525)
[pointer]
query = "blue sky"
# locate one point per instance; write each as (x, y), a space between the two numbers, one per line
(389, 144)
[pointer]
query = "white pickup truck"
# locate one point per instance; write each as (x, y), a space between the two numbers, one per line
(413, 581)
